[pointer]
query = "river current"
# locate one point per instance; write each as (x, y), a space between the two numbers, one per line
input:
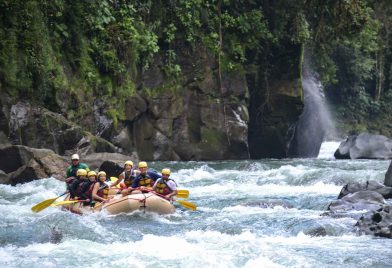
(232, 227)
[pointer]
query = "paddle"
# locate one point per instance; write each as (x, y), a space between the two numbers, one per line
(184, 203)
(66, 202)
(182, 193)
(46, 203)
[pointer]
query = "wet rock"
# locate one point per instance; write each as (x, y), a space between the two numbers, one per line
(388, 176)
(353, 205)
(365, 146)
(111, 168)
(104, 126)
(316, 231)
(4, 178)
(23, 164)
(108, 161)
(354, 187)
(377, 223)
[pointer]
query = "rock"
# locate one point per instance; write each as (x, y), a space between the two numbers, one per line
(388, 176)
(95, 161)
(353, 205)
(111, 168)
(23, 164)
(135, 106)
(316, 231)
(354, 187)
(104, 126)
(365, 146)
(377, 223)
(4, 139)
(4, 178)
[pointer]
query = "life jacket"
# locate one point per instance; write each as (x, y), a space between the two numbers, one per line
(103, 190)
(162, 187)
(128, 179)
(81, 188)
(89, 191)
(146, 181)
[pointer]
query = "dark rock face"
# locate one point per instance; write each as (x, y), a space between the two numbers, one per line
(354, 204)
(23, 164)
(365, 146)
(111, 168)
(106, 162)
(377, 223)
(351, 188)
(39, 128)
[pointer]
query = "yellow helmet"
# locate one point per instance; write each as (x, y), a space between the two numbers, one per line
(101, 173)
(91, 173)
(129, 162)
(81, 172)
(142, 164)
(165, 171)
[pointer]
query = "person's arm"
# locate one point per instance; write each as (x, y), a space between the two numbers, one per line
(172, 185)
(135, 183)
(95, 191)
(119, 179)
(84, 166)
(155, 184)
(72, 188)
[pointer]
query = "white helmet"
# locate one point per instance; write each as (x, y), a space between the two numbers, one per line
(75, 157)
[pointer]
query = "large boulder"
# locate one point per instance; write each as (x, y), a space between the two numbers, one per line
(23, 164)
(111, 168)
(353, 205)
(354, 187)
(388, 176)
(365, 146)
(377, 223)
(96, 161)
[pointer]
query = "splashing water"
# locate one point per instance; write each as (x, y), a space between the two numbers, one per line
(229, 229)
(315, 124)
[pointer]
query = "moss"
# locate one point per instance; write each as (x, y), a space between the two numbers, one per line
(212, 137)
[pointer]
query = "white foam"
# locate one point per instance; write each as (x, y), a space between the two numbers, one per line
(328, 149)
(234, 189)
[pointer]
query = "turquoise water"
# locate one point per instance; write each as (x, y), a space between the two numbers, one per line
(227, 230)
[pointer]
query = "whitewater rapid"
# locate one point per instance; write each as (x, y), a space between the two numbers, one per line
(250, 214)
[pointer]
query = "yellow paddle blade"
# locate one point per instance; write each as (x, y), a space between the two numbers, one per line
(186, 204)
(183, 192)
(182, 195)
(66, 202)
(44, 204)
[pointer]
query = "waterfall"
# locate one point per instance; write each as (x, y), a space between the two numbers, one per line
(315, 124)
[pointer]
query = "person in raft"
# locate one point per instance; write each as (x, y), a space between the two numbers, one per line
(146, 179)
(85, 188)
(127, 176)
(72, 183)
(165, 186)
(75, 166)
(100, 189)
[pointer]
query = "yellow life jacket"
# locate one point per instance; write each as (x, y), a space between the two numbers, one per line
(146, 181)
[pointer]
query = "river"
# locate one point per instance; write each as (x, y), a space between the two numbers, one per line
(224, 232)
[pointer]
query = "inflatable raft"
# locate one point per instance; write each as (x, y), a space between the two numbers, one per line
(124, 204)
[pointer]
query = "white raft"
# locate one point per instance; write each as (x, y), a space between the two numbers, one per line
(124, 204)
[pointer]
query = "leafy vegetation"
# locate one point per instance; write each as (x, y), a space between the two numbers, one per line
(98, 49)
